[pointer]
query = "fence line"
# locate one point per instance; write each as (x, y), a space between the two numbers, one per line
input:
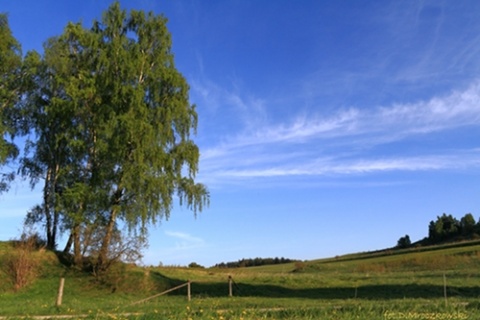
(167, 291)
(231, 283)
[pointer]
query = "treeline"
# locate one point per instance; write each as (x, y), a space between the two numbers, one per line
(446, 228)
(253, 262)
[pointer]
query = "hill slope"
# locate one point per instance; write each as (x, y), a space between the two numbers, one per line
(403, 276)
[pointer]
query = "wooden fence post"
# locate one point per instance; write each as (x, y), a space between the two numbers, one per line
(445, 288)
(60, 292)
(189, 292)
(230, 289)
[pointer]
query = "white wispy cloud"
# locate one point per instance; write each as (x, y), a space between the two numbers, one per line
(433, 162)
(345, 142)
(185, 241)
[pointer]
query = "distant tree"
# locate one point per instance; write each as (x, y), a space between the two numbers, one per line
(444, 228)
(195, 265)
(253, 262)
(404, 242)
(467, 224)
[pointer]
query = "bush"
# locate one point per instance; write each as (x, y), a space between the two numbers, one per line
(21, 265)
(195, 265)
(404, 242)
(300, 266)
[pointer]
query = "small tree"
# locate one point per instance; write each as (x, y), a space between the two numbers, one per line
(467, 224)
(195, 265)
(404, 242)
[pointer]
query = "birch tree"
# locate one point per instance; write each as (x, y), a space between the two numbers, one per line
(10, 92)
(122, 147)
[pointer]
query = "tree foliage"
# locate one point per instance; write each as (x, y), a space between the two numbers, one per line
(404, 242)
(467, 224)
(10, 93)
(446, 228)
(113, 126)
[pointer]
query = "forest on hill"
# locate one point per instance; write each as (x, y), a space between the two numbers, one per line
(253, 262)
(446, 228)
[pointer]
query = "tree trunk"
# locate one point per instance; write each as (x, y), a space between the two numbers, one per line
(54, 229)
(68, 245)
(107, 238)
(77, 251)
(56, 214)
(51, 214)
(46, 209)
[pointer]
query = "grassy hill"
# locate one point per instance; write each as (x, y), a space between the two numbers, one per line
(393, 280)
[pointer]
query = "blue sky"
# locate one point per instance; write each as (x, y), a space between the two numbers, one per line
(325, 127)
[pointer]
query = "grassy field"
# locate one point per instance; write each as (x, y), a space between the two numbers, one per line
(427, 283)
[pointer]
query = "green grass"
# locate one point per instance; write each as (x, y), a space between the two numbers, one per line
(406, 284)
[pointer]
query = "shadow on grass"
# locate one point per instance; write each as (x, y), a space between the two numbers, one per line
(368, 292)
(374, 292)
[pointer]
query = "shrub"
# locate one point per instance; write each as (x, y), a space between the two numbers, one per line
(195, 265)
(299, 266)
(404, 242)
(21, 265)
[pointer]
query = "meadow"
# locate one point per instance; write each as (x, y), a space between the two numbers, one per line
(441, 282)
